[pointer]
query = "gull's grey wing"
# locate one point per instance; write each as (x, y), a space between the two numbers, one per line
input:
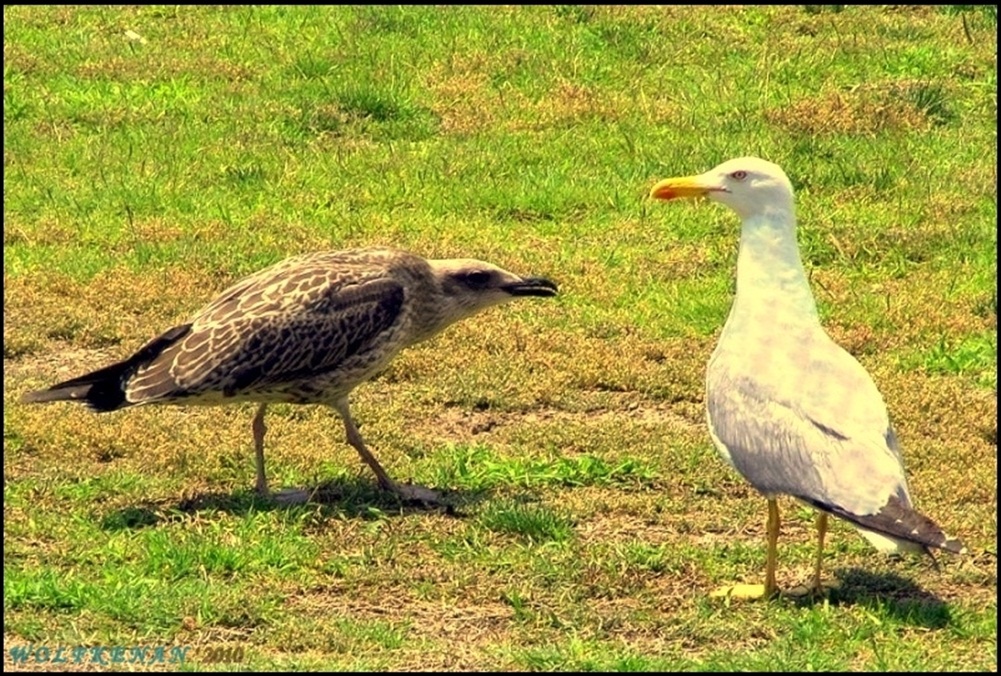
(796, 414)
(781, 447)
(812, 425)
(298, 319)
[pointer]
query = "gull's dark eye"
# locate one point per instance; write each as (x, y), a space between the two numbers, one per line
(477, 279)
(739, 175)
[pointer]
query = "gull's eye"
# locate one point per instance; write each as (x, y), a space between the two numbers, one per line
(476, 279)
(739, 175)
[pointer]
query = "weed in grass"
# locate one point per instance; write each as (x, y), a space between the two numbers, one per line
(382, 635)
(477, 468)
(978, 354)
(534, 523)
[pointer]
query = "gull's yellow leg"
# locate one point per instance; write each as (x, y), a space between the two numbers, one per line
(815, 587)
(821, 532)
(773, 548)
(769, 588)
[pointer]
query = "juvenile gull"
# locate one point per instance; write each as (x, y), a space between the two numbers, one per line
(787, 407)
(304, 331)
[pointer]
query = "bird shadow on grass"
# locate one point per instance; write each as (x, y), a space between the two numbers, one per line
(338, 498)
(885, 594)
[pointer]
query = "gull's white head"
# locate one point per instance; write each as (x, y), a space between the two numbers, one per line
(748, 185)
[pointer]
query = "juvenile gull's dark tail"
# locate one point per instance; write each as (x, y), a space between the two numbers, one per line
(104, 389)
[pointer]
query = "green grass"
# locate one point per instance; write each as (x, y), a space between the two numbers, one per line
(534, 524)
(592, 516)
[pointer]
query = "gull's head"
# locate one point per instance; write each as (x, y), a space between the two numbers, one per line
(468, 286)
(748, 185)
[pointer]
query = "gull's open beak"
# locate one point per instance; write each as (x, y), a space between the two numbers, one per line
(684, 186)
(532, 286)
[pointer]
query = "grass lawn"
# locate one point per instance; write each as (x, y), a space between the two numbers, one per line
(154, 155)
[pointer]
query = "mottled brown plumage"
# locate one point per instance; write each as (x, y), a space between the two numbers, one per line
(304, 331)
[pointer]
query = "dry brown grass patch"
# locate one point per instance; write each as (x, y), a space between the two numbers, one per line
(462, 97)
(452, 633)
(116, 306)
(568, 103)
(911, 311)
(865, 110)
(466, 100)
(19, 61)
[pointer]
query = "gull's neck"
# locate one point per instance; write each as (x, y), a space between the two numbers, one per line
(771, 282)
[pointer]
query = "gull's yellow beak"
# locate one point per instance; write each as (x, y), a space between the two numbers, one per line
(685, 186)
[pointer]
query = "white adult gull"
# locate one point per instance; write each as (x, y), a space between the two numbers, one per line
(787, 407)
(306, 330)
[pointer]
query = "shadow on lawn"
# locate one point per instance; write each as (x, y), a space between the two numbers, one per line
(889, 594)
(352, 497)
